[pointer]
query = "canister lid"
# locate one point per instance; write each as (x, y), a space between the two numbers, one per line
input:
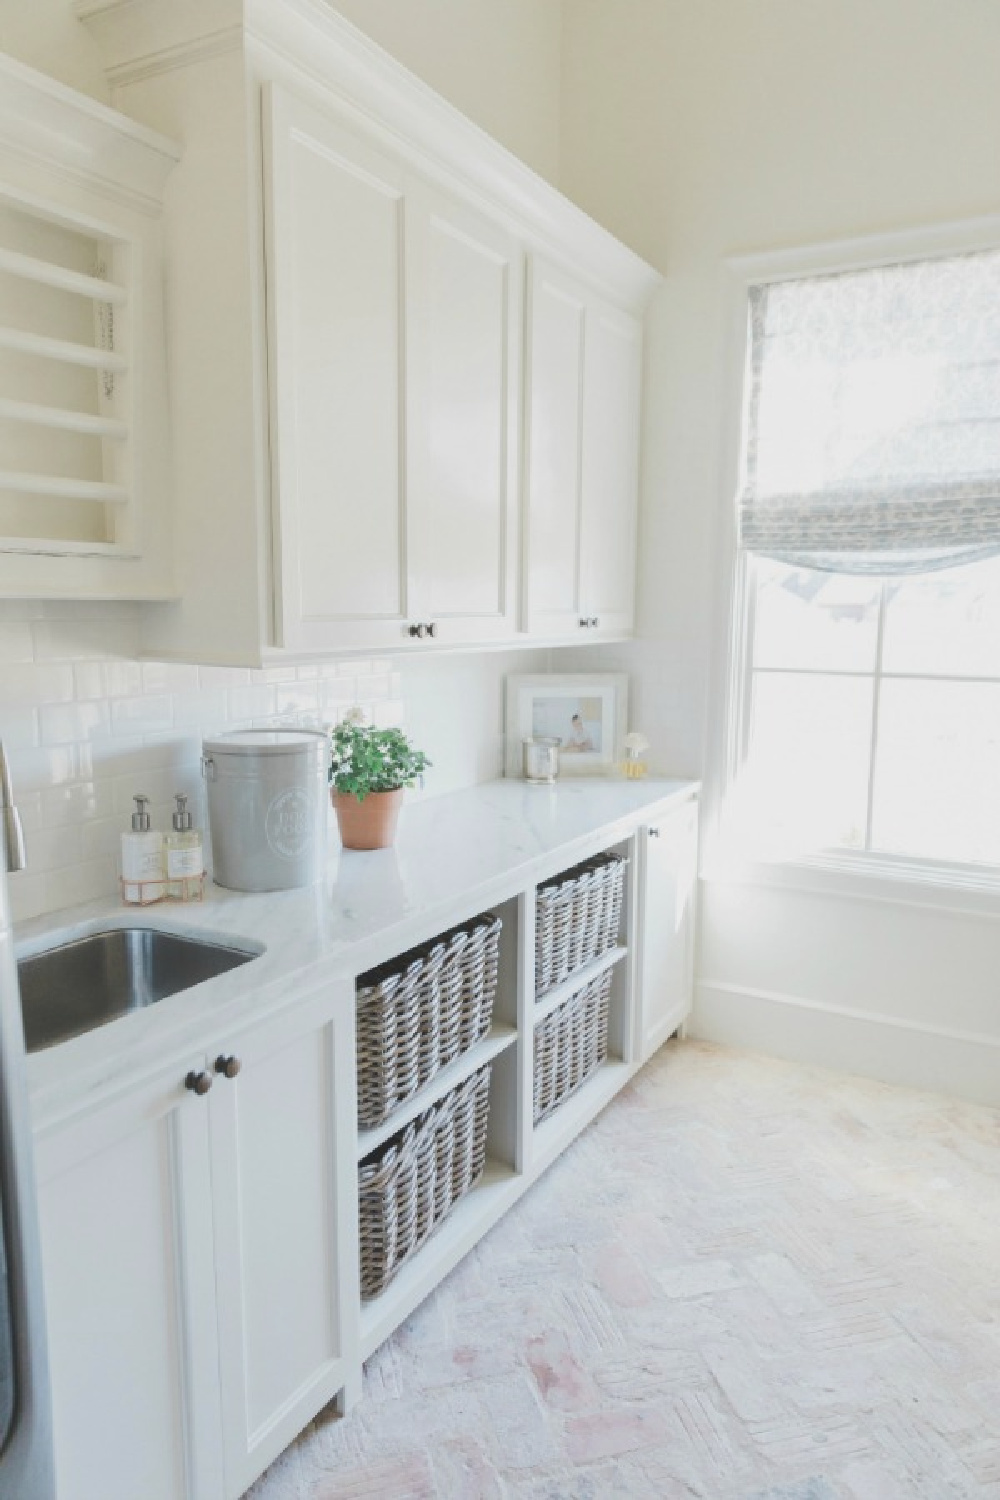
(267, 742)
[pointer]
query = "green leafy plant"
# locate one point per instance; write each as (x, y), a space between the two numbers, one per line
(364, 759)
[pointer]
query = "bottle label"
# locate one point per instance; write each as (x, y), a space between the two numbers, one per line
(182, 863)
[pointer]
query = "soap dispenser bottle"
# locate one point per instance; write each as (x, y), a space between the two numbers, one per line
(185, 864)
(142, 858)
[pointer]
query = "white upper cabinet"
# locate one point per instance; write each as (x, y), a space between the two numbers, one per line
(581, 471)
(335, 230)
(352, 379)
(464, 289)
(84, 464)
(393, 334)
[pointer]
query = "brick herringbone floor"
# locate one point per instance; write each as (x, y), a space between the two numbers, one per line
(746, 1281)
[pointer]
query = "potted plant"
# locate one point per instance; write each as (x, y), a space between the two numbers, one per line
(369, 769)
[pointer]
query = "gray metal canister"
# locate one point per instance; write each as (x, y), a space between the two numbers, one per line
(267, 802)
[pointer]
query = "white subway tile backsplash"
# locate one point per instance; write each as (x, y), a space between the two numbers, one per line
(27, 682)
(169, 677)
(143, 715)
(69, 723)
(87, 725)
(18, 727)
(53, 848)
(223, 677)
(246, 703)
(107, 679)
(16, 642)
(78, 802)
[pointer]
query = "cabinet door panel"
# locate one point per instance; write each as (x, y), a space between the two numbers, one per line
(276, 1131)
(463, 298)
(126, 1220)
(556, 323)
(610, 467)
(335, 221)
(667, 924)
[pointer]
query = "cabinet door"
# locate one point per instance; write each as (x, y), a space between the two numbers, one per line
(126, 1219)
(582, 438)
(610, 469)
(668, 884)
(553, 436)
(464, 291)
(282, 1133)
(335, 232)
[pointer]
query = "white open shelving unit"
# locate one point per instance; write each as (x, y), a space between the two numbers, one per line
(518, 1150)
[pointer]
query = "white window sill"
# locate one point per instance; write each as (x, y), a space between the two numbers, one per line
(968, 889)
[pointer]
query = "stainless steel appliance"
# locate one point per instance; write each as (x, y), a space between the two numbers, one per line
(267, 802)
(26, 1461)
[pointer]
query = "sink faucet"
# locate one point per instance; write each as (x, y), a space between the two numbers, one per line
(13, 833)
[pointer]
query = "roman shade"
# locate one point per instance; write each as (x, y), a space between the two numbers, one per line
(873, 418)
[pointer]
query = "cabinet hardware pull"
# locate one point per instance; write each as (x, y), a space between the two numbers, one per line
(419, 631)
(594, 621)
(432, 629)
(654, 833)
(198, 1083)
(584, 624)
(227, 1066)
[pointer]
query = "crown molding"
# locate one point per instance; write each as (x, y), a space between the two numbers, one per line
(44, 121)
(141, 37)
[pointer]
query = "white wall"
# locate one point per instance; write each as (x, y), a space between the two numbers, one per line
(498, 61)
(698, 131)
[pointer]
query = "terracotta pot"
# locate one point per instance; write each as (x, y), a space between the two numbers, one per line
(370, 823)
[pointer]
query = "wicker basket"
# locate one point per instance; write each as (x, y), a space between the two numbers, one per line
(410, 1184)
(577, 917)
(571, 1044)
(422, 1011)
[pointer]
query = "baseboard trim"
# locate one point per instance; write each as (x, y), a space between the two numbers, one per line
(915, 1054)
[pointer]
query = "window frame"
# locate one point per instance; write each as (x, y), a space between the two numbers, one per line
(878, 876)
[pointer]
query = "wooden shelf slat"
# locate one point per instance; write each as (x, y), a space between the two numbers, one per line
(552, 999)
(63, 350)
(64, 489)
(497, 1040)
(30, 268)
(63, 418)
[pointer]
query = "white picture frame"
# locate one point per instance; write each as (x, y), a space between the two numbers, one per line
(586, 711)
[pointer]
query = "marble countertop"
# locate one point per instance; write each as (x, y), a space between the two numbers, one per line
(454, 856)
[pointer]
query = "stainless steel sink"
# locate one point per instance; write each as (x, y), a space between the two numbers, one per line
(68, 990)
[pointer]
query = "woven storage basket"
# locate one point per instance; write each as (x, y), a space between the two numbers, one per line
(577, 916)
(571, 1044)
(409, 1185)
(422, 1011)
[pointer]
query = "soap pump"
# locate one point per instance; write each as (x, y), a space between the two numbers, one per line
(185, 865)
(142, 858)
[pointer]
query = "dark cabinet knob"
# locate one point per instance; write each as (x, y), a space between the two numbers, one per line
(198, 1083)
(432, 629)
(594, 621)
(654, 833)
(584, 624)
(419, 631)
(227, 1066)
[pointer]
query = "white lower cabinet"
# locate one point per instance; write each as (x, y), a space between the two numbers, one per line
(668, 872)
(198, 1288)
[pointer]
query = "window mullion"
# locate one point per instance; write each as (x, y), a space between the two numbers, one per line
(876, 705)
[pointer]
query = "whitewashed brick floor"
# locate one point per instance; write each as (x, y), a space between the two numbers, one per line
(748, 1280)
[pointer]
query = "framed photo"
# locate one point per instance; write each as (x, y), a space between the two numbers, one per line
(586, 712)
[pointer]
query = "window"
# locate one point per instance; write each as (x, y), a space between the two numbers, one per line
(869, 713)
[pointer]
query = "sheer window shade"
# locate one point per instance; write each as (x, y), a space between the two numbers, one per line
(873, 422)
